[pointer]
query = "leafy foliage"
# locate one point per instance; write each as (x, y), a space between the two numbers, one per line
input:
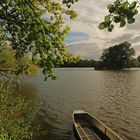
(121, 12)
(118, 56)
(37, 27)
(9, 63)
(17, 115)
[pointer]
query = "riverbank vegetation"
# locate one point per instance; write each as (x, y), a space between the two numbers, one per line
(17, 114)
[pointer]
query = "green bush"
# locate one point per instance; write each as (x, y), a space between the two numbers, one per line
(17, 115)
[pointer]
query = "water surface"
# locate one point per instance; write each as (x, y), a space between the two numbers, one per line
(111, 96)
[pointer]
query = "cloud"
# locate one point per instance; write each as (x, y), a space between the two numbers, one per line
(136, 39)
(85, 29)
(86, 50)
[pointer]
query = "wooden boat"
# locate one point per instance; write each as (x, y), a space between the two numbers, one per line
(88, 127)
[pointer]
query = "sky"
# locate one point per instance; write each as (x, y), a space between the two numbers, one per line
(87, 40)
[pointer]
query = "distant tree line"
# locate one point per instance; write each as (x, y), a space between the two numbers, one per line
(116, 57)
(80, 63)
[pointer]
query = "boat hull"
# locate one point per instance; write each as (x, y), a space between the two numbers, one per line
(76, 135)
(87, 127)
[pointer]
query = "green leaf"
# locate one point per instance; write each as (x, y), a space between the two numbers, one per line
(135, 11)
(102, 25)
(116, 19)
(109, 6)
(111, 27)
(111, 10)
(126, 4)
(130, 21)
(133, 5)
(107, 18)
(123, 23)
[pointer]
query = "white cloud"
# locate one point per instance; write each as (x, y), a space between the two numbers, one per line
(90, 14)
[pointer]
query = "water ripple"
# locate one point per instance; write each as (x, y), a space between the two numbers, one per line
(111, 96)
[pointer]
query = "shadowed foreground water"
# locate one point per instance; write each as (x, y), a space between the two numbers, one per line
(111, 96)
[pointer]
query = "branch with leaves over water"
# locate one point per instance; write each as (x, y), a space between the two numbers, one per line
(38, 28)
(120, 12)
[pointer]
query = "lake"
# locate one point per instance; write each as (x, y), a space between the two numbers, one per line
(111, 96)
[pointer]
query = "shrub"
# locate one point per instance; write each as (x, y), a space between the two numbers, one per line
(17, 115)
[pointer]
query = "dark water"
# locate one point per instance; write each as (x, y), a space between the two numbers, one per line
(111, 96)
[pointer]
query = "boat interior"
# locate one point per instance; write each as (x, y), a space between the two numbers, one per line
(87, 130)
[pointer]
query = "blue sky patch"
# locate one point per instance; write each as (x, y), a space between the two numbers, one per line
(75, 37)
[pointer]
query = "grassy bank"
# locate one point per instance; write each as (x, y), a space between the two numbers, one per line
(17, 115)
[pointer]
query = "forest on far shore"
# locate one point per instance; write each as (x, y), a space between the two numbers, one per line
(117, 57)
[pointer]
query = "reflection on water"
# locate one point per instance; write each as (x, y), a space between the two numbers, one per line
(121, 105)
(111, 96)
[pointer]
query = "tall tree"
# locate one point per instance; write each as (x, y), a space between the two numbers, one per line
(37, 27)
(118, 56)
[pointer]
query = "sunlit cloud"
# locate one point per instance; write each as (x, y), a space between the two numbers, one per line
(85, 29)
